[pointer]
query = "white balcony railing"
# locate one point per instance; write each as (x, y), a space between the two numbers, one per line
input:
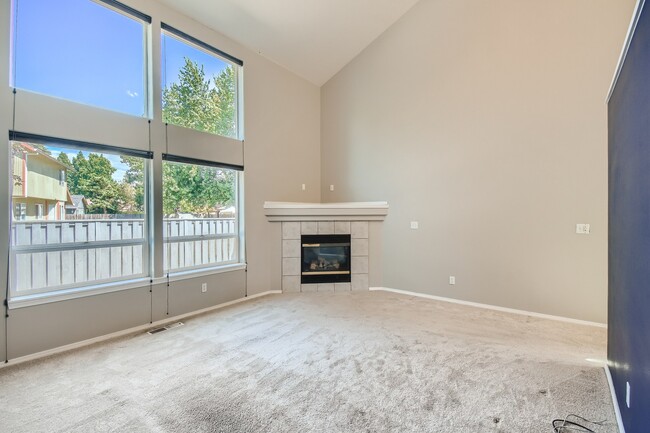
(54, 255)
(194, 243)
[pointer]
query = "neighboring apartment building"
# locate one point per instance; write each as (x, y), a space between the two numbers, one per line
(40, 190)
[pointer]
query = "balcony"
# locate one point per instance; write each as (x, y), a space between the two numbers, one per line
(56, 255)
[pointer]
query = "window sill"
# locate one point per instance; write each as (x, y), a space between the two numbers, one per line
(78, 292)
(195, 273)
(100, 289)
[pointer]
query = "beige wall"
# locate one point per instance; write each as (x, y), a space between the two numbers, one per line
(485, 122)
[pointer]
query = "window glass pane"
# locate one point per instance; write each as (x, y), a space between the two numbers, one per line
(83, 228)
(199, 88)
(201, 218)
(81, 51)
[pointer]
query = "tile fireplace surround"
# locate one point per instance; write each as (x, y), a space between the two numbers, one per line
(361, 220)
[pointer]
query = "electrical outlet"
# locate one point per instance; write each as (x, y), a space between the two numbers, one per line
(204, 287)
(627, 394)
(415, 225)
(452, 280)
(583, 229)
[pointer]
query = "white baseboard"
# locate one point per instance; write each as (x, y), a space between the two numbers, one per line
(133, 330)
(492, 307)
(617, 409)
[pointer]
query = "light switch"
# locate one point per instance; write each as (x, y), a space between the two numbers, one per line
(415, 225)
(583, 229)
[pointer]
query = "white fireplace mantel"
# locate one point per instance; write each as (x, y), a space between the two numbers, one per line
(352, 211)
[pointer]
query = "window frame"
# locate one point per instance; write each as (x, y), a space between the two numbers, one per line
(84, 245)
(238, 232)
(20, 211)
(119, 8)
(236, 63)
(123, 129)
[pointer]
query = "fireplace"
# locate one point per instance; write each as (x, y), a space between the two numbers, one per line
(325, 259)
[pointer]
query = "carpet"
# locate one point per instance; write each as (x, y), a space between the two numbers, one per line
(321, 362)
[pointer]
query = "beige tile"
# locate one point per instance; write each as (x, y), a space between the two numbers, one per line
(309, 227)
(306, 288)
(359, 247)
(342, 227)
(359, 265)
(342, 287)
(291, 248)
(326, 287)
(291, 284)
(359, 229)
(290, 230)
(326, 227)
(359, 282)
(290, 266)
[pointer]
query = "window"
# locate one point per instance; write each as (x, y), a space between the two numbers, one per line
(20, 211)
(83, 51)
(201, 218)
(67, 250)
(82, 220)
(200, 85)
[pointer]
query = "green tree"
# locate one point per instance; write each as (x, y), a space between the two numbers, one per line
(64, 159)
(133, 184)
(209, 105)
(92, 177)
(226, 83)
(196, 189)
(197, 102)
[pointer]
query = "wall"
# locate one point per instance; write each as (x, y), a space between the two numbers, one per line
(629, 234)
(282, 148)
(5, 167)
(485, 122)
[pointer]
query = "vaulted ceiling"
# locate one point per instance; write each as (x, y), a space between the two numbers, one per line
(312, 38)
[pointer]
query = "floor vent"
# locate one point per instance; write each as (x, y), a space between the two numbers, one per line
(165, 328)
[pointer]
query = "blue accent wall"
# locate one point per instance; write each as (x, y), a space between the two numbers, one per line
(629, 231)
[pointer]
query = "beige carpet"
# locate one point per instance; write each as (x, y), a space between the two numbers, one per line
(337, 362)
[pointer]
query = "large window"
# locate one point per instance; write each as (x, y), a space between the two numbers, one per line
(200, 89)
(201, 225)
(82, 50)
(84, 215)
(89, 229)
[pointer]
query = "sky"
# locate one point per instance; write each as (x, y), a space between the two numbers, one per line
(85, 52)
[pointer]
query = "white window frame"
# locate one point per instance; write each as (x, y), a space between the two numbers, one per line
(128, 12)
(44, 248)
(222, 56)
(237, 235)
(20, 211)
(112, 127)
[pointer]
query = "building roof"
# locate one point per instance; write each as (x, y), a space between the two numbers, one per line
(78, 202)
(29, 149)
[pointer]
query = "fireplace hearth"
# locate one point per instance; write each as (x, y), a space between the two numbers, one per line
(325, 259)
(360, 221)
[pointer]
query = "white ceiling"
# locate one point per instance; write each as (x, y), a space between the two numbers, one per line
(312, 38)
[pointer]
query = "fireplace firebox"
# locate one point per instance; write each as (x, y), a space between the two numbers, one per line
(325, 259)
